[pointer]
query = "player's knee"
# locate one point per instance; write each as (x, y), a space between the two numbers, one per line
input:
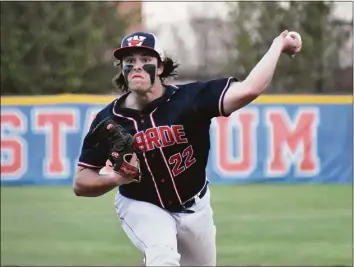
(162, 256)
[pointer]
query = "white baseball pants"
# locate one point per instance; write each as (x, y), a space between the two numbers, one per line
(170, 239)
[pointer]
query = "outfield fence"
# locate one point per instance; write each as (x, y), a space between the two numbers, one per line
(276, 139)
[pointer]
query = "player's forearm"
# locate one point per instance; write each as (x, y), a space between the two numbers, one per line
(261, 75)
(89, 183)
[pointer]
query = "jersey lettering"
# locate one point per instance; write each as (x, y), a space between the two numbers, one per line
(166, 136)
(176, 161)
(152, 138)
(161, 136)
(139, 141)
(179, 134)
(188, 154)
(186, 158)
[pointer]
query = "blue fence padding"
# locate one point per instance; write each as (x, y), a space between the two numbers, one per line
(263, 143)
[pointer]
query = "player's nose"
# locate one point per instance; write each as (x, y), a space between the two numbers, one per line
(138, 66)
(137, 69)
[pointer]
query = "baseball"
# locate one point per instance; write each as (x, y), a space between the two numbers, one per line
(296, 35)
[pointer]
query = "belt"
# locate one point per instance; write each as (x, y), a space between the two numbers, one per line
(189, 203)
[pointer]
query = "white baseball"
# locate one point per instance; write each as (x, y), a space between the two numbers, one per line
(296, 35)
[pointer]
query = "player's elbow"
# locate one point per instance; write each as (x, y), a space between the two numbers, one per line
(83, 191)
(83, 187)
(78, 190)
(78, 185)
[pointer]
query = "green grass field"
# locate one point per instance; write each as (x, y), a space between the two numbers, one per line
(256, 225)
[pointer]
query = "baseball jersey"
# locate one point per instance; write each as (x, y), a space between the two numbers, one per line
(173, 132)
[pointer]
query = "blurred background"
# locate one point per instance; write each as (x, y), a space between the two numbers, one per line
(281, 169)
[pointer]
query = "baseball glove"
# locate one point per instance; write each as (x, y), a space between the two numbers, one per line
(120, 145)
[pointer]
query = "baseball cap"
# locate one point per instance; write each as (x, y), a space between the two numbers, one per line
(139, 40)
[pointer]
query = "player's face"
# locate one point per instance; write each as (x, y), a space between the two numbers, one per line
(141, 70)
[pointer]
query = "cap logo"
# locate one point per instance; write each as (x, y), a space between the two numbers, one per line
(136, 40)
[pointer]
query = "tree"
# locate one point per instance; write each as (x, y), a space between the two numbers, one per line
(56, 47)
(254, 26)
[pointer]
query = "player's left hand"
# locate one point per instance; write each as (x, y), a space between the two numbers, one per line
(119, 177)
(120, 146)
(291, 44)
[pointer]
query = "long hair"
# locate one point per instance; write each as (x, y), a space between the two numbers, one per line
(169, 70)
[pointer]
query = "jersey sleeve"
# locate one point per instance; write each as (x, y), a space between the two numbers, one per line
(90, 157)
(210, 98)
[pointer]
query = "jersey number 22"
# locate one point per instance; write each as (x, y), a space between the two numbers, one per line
(182, 161)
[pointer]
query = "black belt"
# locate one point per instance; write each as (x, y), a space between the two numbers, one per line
(189, 203)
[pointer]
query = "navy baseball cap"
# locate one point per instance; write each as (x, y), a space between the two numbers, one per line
(139, 40)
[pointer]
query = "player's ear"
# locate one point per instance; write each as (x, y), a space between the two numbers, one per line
(160, 68)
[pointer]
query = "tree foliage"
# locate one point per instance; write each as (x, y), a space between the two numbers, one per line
(56, 47)
(254, 26)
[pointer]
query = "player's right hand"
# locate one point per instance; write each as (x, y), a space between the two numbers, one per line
(291, 45)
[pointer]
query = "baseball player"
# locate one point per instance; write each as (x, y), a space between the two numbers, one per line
(155, 137)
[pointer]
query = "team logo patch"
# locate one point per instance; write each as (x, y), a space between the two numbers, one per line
(136, 40)
(115, 155)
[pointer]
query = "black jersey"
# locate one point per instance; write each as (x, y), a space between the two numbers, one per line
(173, 132)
